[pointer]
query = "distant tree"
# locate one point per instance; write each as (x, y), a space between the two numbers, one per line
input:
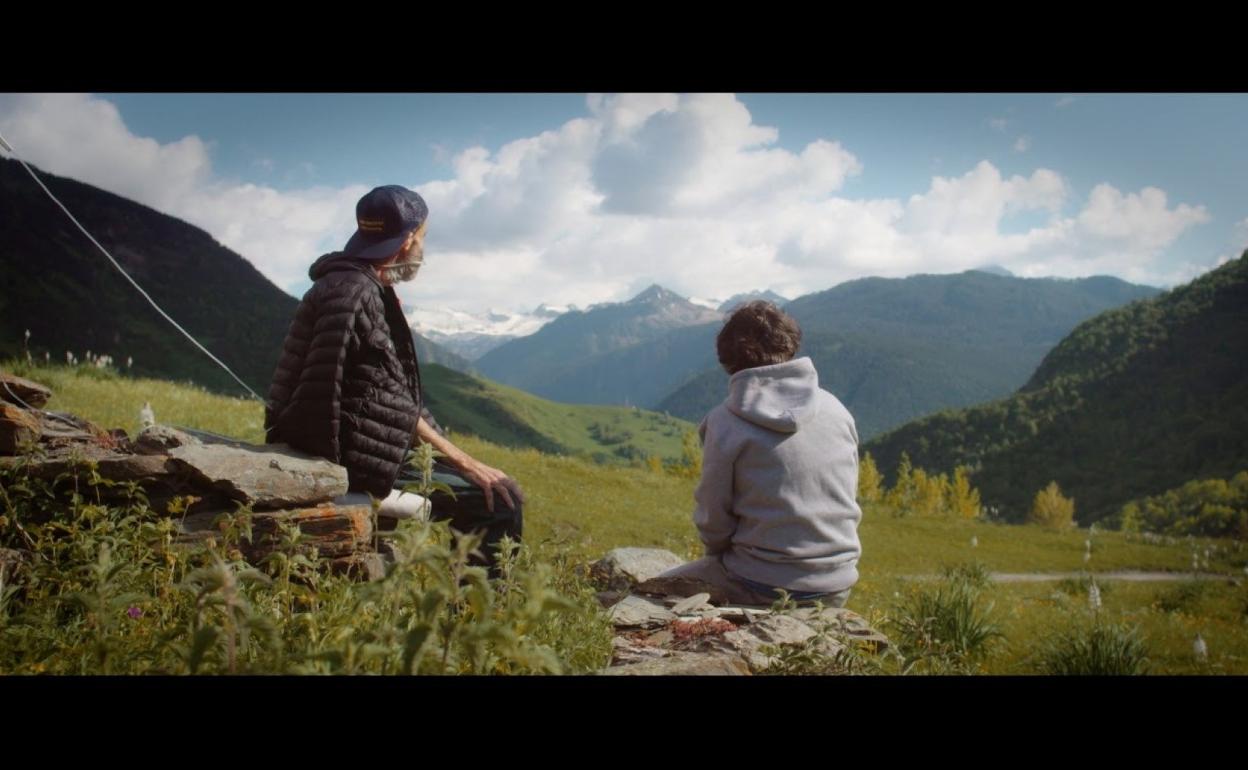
(963, 499)
(1052, 509)
(869, 481)
(901, 496)
(690, 464)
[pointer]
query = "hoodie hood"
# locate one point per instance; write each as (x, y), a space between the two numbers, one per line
(780, 397)
(336, 260)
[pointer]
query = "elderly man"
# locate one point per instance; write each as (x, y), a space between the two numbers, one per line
(347, 385)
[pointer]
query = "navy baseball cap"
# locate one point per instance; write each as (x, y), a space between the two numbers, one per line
(384, 218)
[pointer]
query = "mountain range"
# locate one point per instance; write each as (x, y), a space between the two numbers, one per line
(1134, 402)
(890, 349)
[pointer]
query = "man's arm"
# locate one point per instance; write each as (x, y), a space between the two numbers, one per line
(490, 480)
(712, 514)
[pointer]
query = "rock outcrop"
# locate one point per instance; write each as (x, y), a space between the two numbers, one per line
(678, 635)
(206, 476)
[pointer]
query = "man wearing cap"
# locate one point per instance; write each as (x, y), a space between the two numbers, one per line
(347, 385)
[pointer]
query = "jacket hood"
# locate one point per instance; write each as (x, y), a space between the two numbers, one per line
(334, 261)
(780, 397)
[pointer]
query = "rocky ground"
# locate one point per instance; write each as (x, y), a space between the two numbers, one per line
(659, 634)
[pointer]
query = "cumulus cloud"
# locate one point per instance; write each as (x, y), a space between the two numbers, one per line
(85, 137)
(1139, 221)
(685, 190)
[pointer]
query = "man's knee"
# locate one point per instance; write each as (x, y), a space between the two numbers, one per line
(468, 512)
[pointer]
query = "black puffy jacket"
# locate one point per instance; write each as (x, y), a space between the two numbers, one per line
(347, 385)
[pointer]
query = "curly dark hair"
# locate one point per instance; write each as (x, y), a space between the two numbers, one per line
(757, 334)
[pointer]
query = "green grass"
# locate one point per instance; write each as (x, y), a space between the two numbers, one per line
(509, 416)
(113, 400)
(578, 510)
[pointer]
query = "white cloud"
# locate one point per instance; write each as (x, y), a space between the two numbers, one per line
(687, 191)
(84, 137)
(998, 124)
(1022, 144)
(1140, 221)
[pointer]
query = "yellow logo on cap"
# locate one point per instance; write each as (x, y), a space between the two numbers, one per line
(372, 225)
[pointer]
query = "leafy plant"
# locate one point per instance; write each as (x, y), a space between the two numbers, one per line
(944, 629)
(1094, 649)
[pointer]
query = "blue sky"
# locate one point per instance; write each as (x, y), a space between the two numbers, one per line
(572, 198)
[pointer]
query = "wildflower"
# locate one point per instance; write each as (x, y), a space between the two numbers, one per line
(1200, 649)
(47, 357)
(146, 416)
(135, 613)
(129, 361)
(28, 336)
(1087, 545)
(974, 541)
(1094, 597)
(1087, 556)
(69, 357)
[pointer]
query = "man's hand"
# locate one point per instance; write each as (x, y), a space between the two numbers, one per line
(492, 480)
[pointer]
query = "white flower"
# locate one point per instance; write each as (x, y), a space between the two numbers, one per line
(1087, 556)
(1087, 544)
(1094, 597)
(28, 335)
(974, 541)
(129, 361)
(69, 357)
(146, 416)
(1200, 649)
(47, 357)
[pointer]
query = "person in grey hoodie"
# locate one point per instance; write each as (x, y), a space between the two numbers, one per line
(776, 506)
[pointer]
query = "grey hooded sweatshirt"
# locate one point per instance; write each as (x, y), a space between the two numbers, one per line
(778, 495)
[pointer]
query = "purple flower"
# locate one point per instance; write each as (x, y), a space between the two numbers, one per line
(135, 612)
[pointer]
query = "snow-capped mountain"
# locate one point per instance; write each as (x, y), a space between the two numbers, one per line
(472, 335)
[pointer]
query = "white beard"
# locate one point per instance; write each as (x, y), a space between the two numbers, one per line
(406, 268)
(400, 272)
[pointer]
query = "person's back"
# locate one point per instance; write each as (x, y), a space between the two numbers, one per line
(778, 493)
(776, 506)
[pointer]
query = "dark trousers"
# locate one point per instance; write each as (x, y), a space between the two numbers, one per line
(466, 511)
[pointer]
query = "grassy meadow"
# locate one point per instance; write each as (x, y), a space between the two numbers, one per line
(578, 510)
